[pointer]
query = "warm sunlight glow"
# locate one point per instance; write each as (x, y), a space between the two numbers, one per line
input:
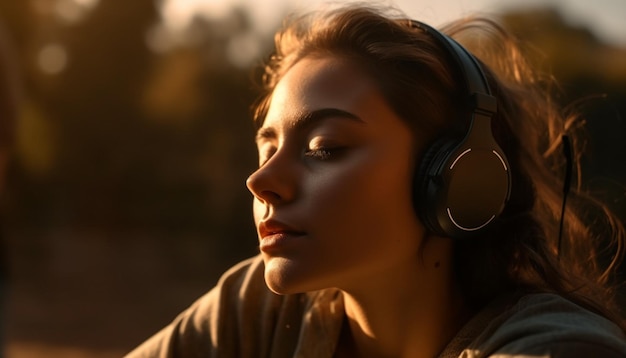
(265, 15)
(87, 3)
(604, 16)
(73, 11)
(52, 59)
(244, 49)
(177, 14)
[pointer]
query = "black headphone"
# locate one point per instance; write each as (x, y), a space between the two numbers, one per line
(463, 184)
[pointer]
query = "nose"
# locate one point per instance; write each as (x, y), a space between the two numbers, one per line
(274, 182)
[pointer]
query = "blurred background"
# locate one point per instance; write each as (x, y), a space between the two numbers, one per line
(124, 196)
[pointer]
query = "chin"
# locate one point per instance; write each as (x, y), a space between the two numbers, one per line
(280, 286)
(282, 277)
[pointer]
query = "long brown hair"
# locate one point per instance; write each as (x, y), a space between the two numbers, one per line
(522, 253)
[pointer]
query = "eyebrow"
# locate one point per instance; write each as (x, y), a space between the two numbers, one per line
(310, 118)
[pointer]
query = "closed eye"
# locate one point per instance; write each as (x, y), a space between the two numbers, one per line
(324, 153)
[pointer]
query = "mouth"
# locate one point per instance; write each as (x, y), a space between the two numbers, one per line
(275, 235)
(274, 227)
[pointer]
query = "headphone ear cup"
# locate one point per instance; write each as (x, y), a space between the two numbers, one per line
(426, 185)
(460, 188)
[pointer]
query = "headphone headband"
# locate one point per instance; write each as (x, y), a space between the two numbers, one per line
(476, 83)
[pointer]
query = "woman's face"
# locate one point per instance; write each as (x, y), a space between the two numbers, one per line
(332, 195)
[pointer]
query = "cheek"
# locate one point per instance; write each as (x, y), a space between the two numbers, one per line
(373, 198)
(365, 219)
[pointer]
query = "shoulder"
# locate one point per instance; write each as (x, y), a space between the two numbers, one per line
(238, 309)
(551, 326)
(241, 317)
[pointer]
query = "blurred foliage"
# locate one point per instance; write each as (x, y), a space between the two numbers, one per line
(124, 137)
(592, 79)
(139, 150)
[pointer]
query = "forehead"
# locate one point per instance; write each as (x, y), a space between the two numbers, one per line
(327, 82)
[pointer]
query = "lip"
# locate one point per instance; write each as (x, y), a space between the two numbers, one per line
(275, 235)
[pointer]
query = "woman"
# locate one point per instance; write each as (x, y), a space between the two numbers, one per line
(359, 258)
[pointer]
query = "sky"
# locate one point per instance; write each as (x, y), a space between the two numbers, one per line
(606, 18)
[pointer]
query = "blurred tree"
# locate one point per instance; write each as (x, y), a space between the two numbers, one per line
(131, 165)
(592, 76)
(141, 139)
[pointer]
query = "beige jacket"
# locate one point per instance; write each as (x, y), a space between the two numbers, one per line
(240, 317)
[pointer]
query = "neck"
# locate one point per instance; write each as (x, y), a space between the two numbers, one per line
(410, 310)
